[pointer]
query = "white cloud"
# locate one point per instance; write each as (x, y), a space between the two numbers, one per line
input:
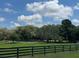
(76, 6)
(35, 24)
(75, 22)
(2, 19)
(30, 18)
(8, 10)
(8, 4)
(34, 19)
(17, 24)
(51, 9)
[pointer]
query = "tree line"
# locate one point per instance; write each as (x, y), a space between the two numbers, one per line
(66, 32)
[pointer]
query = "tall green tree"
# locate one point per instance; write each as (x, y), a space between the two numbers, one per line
(26, 33)
(48, 33)
(66, 30)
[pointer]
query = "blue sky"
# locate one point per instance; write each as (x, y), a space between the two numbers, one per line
(37, 12)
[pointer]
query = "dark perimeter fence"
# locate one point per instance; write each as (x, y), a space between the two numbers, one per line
(18, 52)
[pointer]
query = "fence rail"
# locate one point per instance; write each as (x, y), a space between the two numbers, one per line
(32, 50)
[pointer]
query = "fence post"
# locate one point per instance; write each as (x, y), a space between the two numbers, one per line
(55, 48)
(76, 47)
(32, 51)
(44, 50)
(63, 48)
(17, 52)
(70, 48)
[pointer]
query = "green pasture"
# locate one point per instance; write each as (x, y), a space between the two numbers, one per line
(73, 53)
(5, 44)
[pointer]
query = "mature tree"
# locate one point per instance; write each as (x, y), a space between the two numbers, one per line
(48, 33)
(26, 32)
(66, 30)
(75, 34)
(4, 34)
(13, 36)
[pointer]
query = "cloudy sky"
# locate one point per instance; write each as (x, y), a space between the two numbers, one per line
(37, 12)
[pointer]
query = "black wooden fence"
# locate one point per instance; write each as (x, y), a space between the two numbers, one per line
(34, 50)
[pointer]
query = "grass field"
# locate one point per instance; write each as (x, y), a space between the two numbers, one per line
(20, 44)
(72, 54)
(4, 44)
(66, 54)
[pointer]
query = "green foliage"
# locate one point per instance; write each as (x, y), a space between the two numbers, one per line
(47, 33)
(67, 29)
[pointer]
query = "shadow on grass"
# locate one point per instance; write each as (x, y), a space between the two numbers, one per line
(72, 54)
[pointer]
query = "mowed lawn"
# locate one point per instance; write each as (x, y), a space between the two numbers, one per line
(71, 54)
(5, 44)
(21, 44)
(66, 54)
